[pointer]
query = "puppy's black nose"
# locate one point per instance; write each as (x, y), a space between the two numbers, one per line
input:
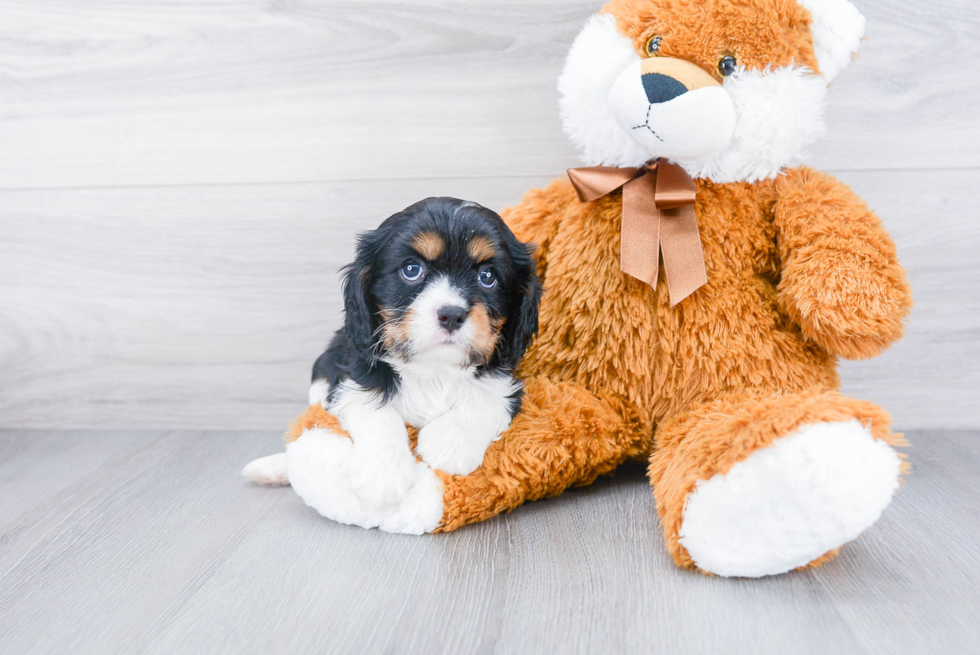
(661, 88)
(451, 317)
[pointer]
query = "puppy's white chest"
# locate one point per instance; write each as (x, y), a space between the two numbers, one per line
(458, 415)
(425, 395)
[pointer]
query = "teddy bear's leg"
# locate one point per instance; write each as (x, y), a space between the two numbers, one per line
(750, 484)
(564, 436)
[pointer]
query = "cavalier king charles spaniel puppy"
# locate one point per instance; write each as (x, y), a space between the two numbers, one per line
(440, 303)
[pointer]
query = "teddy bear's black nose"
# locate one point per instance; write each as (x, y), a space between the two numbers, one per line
(661, 88)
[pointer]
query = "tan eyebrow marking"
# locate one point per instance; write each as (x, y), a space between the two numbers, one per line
(429, 244)
(481, 248)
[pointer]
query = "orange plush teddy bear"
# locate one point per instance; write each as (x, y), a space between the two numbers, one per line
(699, 287)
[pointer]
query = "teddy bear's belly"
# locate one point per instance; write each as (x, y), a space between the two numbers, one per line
(598, 326)
(613, 334)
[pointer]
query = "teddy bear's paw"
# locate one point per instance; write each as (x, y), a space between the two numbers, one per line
(318, 470)
(788, 504)
(269, 470)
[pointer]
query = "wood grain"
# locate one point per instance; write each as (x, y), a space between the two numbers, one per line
(131, 93)
(162, 549)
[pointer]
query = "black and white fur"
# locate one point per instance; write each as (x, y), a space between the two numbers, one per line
(441, 301)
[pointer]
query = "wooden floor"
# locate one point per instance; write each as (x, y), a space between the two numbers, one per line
(125, 542)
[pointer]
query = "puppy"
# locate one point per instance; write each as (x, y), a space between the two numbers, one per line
(440, 303)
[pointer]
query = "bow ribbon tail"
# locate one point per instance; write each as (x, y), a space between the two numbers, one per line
(640, 247)
(680, 243)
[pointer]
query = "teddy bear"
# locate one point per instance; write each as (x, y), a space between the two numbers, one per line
(700, 284)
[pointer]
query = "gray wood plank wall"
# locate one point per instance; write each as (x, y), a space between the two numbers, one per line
(180, 181)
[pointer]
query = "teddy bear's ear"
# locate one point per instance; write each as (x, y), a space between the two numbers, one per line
(837, 27)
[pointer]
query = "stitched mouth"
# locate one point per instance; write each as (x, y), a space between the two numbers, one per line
(646, 124)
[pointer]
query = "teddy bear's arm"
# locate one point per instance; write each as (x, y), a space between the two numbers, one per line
(841, 280)
(535, 219)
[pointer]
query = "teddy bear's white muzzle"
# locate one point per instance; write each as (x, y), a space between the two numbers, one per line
(671, 112)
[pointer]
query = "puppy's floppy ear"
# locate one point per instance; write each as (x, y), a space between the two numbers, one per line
(522, 321)
(360, 320)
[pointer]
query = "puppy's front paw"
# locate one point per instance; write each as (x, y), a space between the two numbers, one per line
(381, 476)
(451, 447)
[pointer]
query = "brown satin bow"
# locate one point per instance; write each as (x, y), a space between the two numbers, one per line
(658, 216)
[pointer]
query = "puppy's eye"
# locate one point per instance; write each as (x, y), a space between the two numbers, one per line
(727, 65)
(412, 271)
(652, 46)
(488, 279)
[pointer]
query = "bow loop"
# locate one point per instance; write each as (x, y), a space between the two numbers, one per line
(675, 188)
(593, 183)
(658, 220)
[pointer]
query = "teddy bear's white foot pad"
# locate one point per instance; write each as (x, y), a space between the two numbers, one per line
(267, 470)
(786, 505)
(317, 465)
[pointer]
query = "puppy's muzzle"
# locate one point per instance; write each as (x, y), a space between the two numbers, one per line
(451, 317)
(666, 78)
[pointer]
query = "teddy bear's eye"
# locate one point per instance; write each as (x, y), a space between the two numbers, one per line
(727, 65)
(653, 45)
